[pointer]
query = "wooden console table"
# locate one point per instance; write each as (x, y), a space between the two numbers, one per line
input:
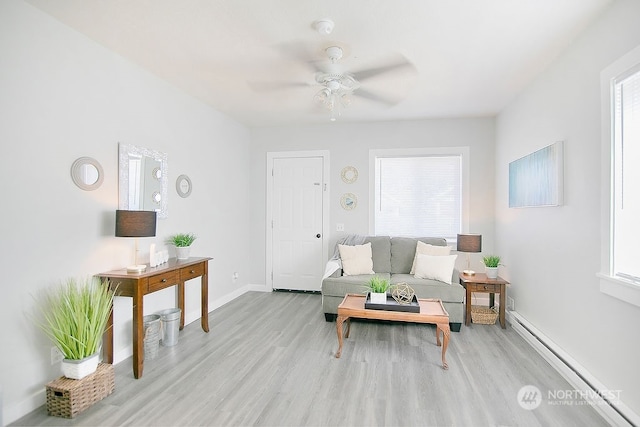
(137, 285)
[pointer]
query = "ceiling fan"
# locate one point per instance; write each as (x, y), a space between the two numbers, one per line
(338, 86)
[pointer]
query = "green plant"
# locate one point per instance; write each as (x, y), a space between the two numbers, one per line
(491, 260)
(182, 240)
(378, 285)
(75, 315)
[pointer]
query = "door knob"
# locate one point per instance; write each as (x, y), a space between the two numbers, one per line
(318, 235)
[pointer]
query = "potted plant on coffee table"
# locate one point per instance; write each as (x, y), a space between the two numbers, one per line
(491, 263)
(378, 288)
(74, 317)
(182, 242)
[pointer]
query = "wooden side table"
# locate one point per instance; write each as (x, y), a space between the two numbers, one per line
(479, 282)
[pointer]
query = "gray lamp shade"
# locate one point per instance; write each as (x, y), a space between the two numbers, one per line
(469, 243)
(135, 223)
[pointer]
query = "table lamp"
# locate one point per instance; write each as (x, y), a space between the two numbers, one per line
(469, 243)
(135, 224)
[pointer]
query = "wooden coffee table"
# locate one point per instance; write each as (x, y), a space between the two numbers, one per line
(431, 311)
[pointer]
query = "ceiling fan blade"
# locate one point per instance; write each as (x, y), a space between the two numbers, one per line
(363, 93)
(299, 52)
(275, 86)
(372, 72)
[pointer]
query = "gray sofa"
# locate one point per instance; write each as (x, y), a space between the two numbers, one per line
(392, 259)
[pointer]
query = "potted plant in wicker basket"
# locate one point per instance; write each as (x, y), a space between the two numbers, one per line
(182, 242)
(74, 318)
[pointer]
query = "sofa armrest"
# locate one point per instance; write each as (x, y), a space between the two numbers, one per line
(337, 273)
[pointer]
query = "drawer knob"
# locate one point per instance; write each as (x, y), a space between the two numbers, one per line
(164, 280)
(192, 271)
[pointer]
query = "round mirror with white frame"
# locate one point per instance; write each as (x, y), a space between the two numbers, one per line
(183, 186)
(87, 173)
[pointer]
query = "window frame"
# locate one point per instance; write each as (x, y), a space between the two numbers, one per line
(616, 287)
(462, 152)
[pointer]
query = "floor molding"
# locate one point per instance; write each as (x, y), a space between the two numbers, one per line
(617, 413)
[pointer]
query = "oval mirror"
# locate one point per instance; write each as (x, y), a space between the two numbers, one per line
(87, 173)
(183, 186)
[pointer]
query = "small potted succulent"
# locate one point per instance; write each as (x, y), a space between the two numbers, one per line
(378, 288)
(74, 317)
(182, 242)
(491, 263)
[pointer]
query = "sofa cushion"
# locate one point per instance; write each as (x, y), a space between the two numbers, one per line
(437, 267)
(380, 253)
(356, 259)
(340, 286)
(427, 288)
(428, 249)
(403, 250)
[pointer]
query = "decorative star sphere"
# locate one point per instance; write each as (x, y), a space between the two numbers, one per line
(403, 293)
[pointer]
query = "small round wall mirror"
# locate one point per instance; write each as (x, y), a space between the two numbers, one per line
(87, 173)
(349, 201)
(183, 186)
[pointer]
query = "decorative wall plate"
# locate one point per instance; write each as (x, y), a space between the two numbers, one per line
(349, 201)
(349, 174)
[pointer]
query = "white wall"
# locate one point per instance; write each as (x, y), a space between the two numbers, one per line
(553, 254)
(349, 145)
(63, 97)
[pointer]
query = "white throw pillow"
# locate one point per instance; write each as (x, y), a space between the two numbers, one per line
(356, 259)
(427, 249)
(437, 267)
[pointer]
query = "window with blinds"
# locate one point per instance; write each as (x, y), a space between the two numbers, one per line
(626, 175)
(419, 195)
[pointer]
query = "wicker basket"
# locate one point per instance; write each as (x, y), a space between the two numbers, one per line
(66, 397)
(483, 315)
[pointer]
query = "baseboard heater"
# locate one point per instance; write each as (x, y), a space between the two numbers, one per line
(574, 373)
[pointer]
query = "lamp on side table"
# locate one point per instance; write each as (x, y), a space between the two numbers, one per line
(469, 243)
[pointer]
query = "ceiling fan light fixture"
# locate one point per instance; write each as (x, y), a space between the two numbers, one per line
(334, 53)
(324, 26)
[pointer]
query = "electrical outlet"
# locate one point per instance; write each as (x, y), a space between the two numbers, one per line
(339, 227)
(56, 356)
(511, 304)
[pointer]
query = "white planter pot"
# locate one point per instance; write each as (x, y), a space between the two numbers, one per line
(78, 369)
(183, 252)
(378, 298)
(492, 272)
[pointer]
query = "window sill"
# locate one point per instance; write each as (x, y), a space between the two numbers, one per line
(618, 288)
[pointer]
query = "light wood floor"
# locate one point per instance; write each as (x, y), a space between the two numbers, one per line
(269, 361)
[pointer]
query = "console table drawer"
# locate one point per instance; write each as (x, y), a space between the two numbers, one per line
(191, 272)
(483, 287)
(162, 281)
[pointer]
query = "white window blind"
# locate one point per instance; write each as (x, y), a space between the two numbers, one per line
(626, 180)
(418, 196)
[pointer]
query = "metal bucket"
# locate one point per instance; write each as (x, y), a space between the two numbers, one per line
(170, 326)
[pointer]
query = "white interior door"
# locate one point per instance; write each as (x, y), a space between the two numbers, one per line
(298, 257)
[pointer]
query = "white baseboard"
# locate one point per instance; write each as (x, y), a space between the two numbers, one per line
(615, 413)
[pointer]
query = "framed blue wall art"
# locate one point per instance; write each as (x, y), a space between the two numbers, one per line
(536, 179)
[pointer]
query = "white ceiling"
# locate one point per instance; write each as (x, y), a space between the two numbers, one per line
(470, 57)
